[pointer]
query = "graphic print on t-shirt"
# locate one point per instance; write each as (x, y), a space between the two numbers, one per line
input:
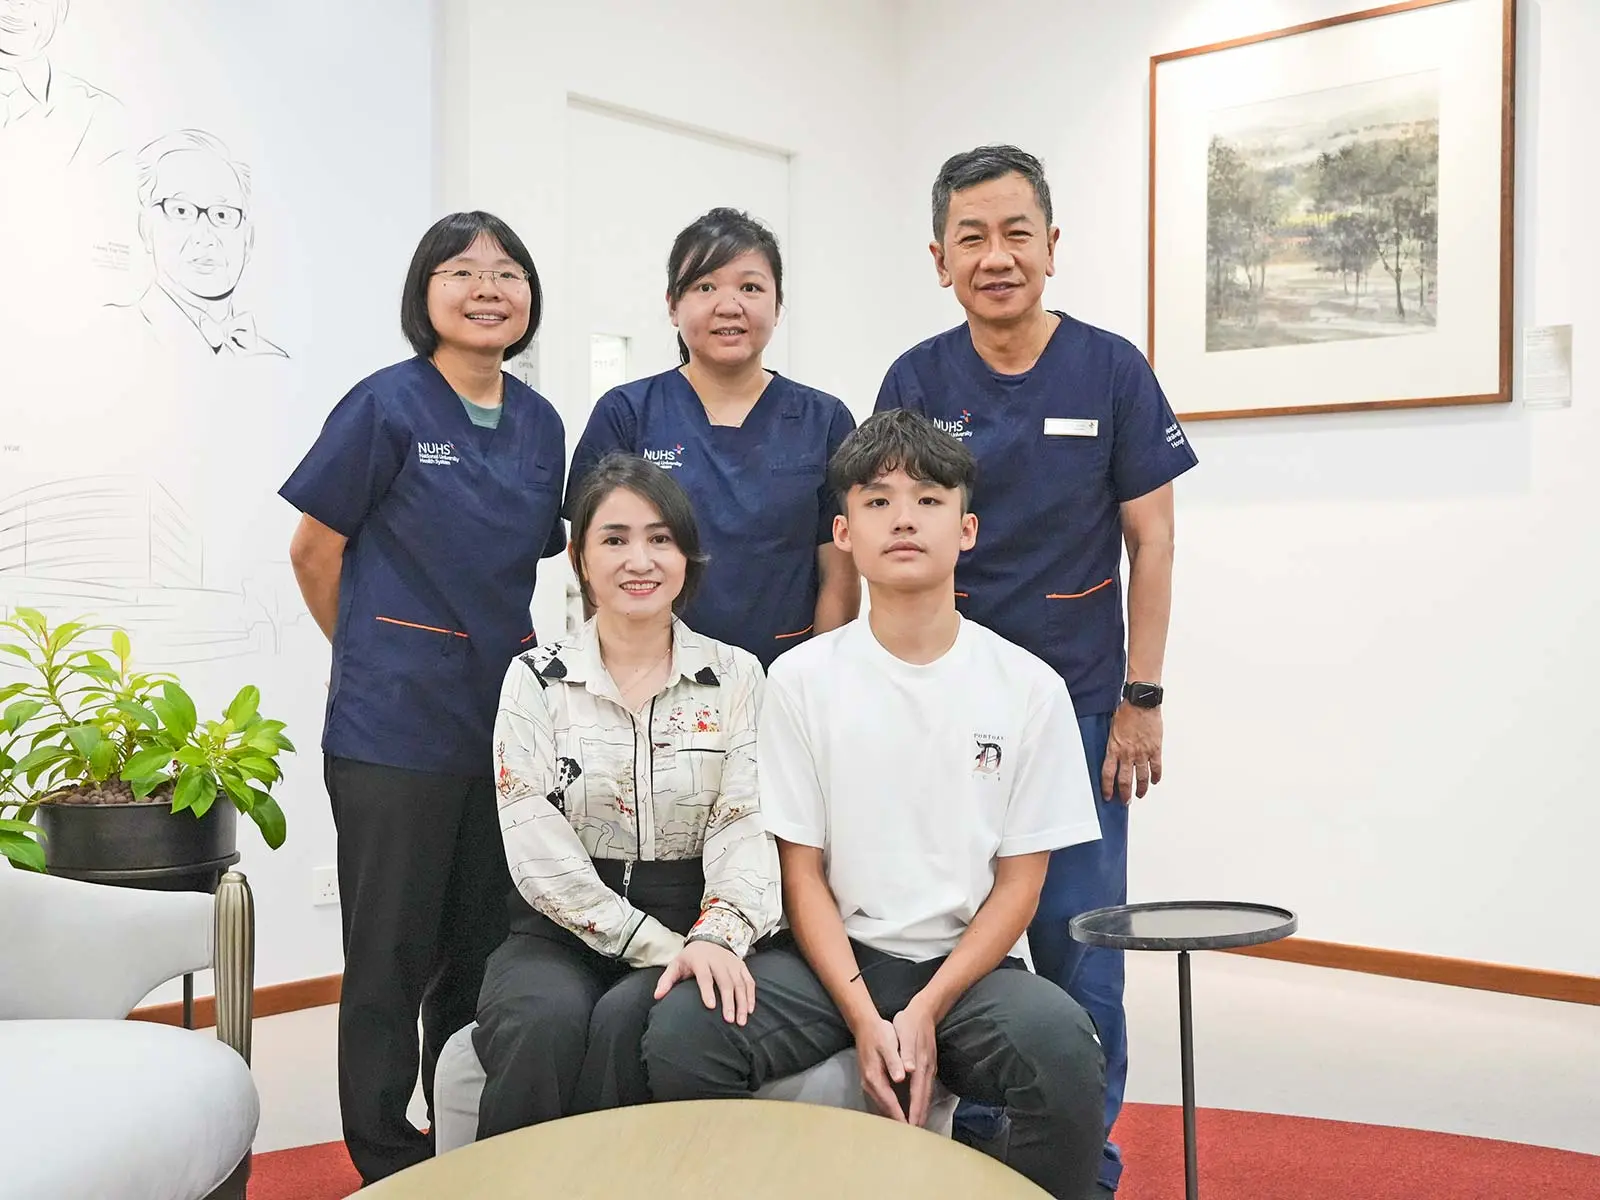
(987, 755)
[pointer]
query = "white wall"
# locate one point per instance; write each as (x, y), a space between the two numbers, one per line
(1383, 636)
(330, 105)
(814, 79)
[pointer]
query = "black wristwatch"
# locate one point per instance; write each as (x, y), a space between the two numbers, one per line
(1143, 695)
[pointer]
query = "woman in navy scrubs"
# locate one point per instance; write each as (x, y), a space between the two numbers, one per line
(749, 446)
(428, 500)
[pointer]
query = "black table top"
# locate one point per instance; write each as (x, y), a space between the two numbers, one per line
(1184, 925)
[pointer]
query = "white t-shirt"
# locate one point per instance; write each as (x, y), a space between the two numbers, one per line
(914, 779)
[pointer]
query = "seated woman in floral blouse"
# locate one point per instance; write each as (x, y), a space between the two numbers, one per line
(625, 761)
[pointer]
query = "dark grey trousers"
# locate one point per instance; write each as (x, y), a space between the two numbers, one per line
(1014, 1040)
(558, 1032)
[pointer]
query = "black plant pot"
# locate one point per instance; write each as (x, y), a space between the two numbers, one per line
(141, 845)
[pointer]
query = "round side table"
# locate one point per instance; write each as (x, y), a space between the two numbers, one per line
(1183, 926)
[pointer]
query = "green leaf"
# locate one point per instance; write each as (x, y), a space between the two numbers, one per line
(264, 742)
(32, 618)
(138, 712)
(191, 786)
(103, 761)
(103, 674)
(145, 784)
(146, 763)
(120, 646)
(15, 826)
(22, 850)
(65, 635)
(167, 715)
(244, 705)
(269, 818)
(21, 712)
(20, 651)
(182, 706)
(85, 739)
(192, 756)
(38, 758)
(203, 805)
(238, 789)
(12, 689)
(256, 767)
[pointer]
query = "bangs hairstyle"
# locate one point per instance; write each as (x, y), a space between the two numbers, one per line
(449, 237)
(900, 439)
(712, 242)
(658, 489)
(972, 167)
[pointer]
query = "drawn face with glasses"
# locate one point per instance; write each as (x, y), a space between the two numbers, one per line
(26, 26)
(479, 300)
(197, 229)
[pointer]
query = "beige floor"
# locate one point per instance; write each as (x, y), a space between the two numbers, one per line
(1269, 1037)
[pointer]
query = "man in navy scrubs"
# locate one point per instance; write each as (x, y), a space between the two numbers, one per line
(1077, 449)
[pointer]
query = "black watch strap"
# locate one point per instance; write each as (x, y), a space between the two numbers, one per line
(1143, 695)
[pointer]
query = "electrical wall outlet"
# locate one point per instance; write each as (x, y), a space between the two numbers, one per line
(324, 886)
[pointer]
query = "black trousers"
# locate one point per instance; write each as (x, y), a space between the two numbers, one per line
(422, 891)
(1014, 1040)
(559, 1025)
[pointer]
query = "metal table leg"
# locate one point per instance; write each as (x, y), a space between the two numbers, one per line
(1191, 1170)
(188, 1001)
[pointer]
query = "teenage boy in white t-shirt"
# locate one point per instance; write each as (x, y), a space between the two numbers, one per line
(917, 771)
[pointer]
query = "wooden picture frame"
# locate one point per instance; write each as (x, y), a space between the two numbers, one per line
(1331, 214)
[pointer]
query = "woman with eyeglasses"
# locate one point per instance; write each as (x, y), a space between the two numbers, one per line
(427, 502)
(750, 446)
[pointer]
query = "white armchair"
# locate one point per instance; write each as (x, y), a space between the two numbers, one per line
(98, 1106)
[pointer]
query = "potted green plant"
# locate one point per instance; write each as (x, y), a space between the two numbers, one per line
(112, 767)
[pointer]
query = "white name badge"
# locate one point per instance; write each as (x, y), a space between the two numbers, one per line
(1071, 427)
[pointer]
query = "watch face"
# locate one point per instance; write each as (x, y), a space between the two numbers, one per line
(1144, 695)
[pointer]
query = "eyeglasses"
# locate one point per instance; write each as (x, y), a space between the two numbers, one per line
(185, 212)
(499, 277)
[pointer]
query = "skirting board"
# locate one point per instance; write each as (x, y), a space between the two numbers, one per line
(270, 1001)
(1428, 968)
(1397, 964)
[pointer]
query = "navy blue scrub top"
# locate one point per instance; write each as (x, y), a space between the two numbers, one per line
(1059, 448)
(759, 490)
(447, 522)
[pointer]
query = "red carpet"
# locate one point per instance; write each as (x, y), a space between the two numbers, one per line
(1243, 1156)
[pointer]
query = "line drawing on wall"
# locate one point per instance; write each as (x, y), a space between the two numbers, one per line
(196, 228)
(120, 548)
(46, 114)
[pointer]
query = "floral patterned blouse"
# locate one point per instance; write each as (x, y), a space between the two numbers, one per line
(581, 778)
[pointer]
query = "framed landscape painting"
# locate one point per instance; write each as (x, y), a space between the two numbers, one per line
(1331, 216)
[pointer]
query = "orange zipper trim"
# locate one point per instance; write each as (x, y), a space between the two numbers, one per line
(424, 628)
(1080, 595)
(778, 637)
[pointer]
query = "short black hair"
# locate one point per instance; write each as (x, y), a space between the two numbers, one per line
(658, 489)
(900, 439)
(449, 237)
(972, 167)
(711, 242)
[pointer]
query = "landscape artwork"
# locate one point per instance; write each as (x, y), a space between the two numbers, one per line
(1322, 216)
